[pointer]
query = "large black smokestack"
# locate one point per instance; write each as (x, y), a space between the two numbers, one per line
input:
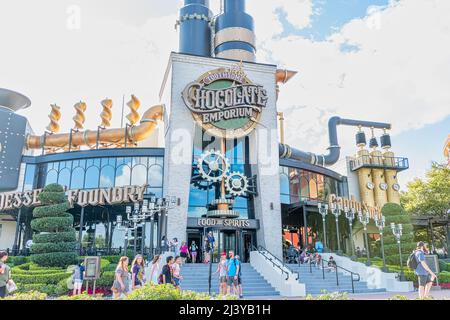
(195, 31)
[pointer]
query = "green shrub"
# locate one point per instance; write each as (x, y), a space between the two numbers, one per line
(106, 279)
(55, 259)
(55, 210)
(68, 236)
(159, 292)
(110, 267)
(444, 277)
(52, 278)
(395, 213)
(17, 260)
(444, 266)
(48, 289)
(53, 224)
(398, 297)
(104, 263)
(329, 296)
(53, 247)
(32, 295)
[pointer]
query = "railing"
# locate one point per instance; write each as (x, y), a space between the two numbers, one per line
(396, 163)
(272, 258)
(336, 267)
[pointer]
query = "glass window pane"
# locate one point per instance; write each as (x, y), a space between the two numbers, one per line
(320, 187)
(155, 176)
(28, 183)
(52, 177)
(139, 175)
(92, 176)
(77, 178)
(284, 188)
(64, 177)
(313, 187)
(123, 176)
(107, 177)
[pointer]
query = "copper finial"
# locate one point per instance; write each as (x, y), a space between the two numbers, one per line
(79, 118)
(134, 104)
(54, 116)
(106, 114)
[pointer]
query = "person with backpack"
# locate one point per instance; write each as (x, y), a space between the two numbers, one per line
(166, 276)
(77, 278)
(416, 261)
(233, 273)
(194, 250)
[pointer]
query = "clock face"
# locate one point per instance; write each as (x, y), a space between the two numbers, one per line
(370, 185)
(396, 187)
(383, 186)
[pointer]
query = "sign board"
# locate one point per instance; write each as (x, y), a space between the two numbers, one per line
(92, 268)
(225, 102)
(232, 224)
(12, 141)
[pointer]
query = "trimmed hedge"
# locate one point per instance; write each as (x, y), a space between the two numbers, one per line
(55, 210)
(53, 247)
(444, 277)
(106, 279)
(52, 278)
(53, 224)
(68, 236)
(55, 259)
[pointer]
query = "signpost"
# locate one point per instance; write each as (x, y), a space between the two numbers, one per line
(92, 272)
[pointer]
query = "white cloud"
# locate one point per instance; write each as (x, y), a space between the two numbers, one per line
(400, 74)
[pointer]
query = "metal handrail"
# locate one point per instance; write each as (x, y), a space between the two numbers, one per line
(263, 251)
(337, 274)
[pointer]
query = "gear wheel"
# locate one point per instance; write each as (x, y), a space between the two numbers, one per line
(236, 184)
(213, 166)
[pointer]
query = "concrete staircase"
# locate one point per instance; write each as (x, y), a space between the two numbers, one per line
(196, 279)
(315, 283)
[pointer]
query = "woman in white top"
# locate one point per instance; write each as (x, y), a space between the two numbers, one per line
(154, 270)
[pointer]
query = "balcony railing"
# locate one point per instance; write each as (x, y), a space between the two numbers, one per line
(374, 162)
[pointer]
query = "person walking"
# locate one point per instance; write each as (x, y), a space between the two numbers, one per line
(175, 246)
(211, 241)
(154, 270)
(206, 250)
(424, 274)
(120, 285)
(77, 278)
(233, 267)
(194, 249)
(164, 244)
(166, 276)
(241, 295)
(5, 274)
(137, 272)
(222, 270)
(319, 246)
(176, 271)
(184, 252)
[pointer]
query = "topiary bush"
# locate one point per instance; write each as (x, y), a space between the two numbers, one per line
(32, 295)
(395, 213)
(55, 246)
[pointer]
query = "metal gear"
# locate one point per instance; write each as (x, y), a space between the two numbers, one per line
(236, 184)
(213, 166)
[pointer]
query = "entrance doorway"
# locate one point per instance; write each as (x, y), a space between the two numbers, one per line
(197, 236)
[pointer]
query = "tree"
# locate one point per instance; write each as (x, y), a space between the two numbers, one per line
(429, 197)
(395, 213)
(55, 245)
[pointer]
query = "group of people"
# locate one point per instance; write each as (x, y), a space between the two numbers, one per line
(190, 252)
(230, 274)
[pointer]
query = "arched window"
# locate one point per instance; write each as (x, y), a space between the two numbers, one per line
(313, 193)
(155, 176)
(52, 177)
(64, 177)
(77, 178)
(92, 175)
(123, 176)
(107, 177)
(304, 185)
(139, 175)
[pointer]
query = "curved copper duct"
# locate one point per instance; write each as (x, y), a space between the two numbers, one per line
(89, 138)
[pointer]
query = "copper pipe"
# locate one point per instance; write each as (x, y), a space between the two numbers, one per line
(89, 138)
(281, 119)
(283, 76)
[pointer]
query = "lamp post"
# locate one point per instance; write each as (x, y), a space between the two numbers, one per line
(365, 219)
(336, 211)
(380, 222)
(350, 215)
(323, 210)
(397, 231)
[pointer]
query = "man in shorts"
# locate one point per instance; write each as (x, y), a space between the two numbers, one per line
(233, 272)
(78, 276)
(424, 274)
(239, 278)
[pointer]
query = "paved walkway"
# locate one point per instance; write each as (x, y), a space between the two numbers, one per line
(436, 294)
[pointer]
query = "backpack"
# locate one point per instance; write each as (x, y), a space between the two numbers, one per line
(412, 261)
